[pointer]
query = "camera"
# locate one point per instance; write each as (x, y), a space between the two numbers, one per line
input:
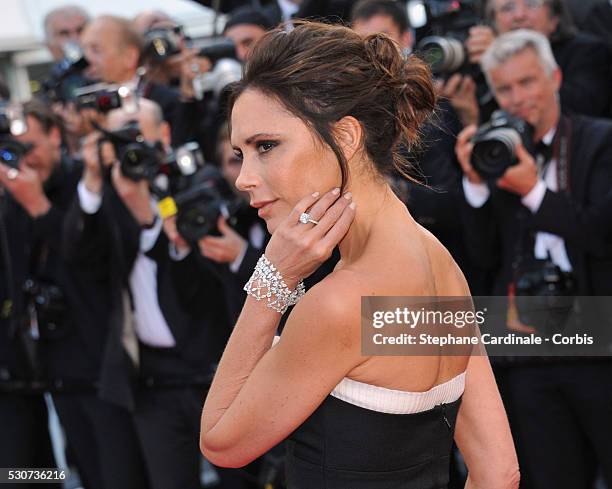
(178, 168)
(214, 48)
(50, 305)
(495, 144)
(544, 294)
(67, 75)
(162, 42)
(199, 205)
(442, 27)
(138, 159)
(12, 123)
(104, 97)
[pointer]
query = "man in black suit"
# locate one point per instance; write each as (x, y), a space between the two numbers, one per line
(160, 355)
(559, 209)
(59, 314)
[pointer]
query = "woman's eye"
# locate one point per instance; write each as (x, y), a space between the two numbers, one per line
(265, 146)
(238, 155)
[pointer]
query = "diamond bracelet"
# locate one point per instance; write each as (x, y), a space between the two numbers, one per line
(267, 283)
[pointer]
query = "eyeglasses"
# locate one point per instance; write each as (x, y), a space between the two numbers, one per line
(512, 6)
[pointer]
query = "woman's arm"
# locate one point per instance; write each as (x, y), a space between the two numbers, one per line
(482, 432)
(261, 394)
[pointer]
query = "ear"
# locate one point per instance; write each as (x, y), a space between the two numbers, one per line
(406, 40)
(132, 57)
(349, 134)
(165, 134)
(55, 136)
(557, 78)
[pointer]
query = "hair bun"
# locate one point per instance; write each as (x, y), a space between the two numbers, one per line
(410, 81)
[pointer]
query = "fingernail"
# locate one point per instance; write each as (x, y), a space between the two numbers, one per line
(348, 196)
(352, 205)
(316, 194)
(336, 191)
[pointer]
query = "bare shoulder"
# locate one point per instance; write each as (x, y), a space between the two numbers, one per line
(332, 309)
(446, 272)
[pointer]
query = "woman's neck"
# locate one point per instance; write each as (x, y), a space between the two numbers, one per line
(372, 199)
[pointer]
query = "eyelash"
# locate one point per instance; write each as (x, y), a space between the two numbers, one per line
(262, 143)
(258, 145)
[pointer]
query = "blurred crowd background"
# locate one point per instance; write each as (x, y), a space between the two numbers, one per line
(124, 244)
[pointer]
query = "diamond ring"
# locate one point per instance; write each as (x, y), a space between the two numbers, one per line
(12, 173)
(305, 218)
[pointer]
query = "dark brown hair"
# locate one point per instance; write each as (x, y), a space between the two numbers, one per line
(322, 73)
(45, 116)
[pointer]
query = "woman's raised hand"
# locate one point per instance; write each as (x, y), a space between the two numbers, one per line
(297, 249)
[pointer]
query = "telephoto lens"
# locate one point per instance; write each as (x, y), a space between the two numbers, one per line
(495, 144)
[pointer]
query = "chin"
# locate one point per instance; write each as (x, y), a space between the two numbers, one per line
(271, 225)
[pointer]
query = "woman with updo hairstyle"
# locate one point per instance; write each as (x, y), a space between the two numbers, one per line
(316, 121)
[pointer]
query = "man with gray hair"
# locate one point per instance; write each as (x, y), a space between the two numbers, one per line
(62, 25)
(548, 211)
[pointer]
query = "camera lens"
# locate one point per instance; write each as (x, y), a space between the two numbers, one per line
(495, 152)
(443, 54)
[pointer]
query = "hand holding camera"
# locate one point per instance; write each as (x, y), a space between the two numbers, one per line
(463, 150)
(499, 151)
(91, 151)
(225, 248)
(479, 39)
(460, 90)
(522, 177)
(135, 195)
(26, 188)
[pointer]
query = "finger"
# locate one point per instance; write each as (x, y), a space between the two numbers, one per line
(467, 84)
(318, 210)
(302, 206)
(466, 134)
(224, 228)
(327, 221)
(521, 153)
(452, 84)
(213, 241)
(340, 227)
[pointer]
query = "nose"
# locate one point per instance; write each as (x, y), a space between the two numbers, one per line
(247, 178)
(520, 10)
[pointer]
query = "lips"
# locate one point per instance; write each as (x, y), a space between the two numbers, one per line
(263, 206)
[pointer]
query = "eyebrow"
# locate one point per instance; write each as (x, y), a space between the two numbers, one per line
(252, 138)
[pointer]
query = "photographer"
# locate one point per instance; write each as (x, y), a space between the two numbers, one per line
(113, 49)
(64, 25)
(245, 27)
(584, 60)
(30, 212)
(160, 356)
(56, 314)
(548, 211)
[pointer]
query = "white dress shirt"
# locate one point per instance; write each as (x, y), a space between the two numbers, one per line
(150, 324)
(477, 194)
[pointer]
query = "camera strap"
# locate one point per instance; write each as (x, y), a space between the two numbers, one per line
(561, 154)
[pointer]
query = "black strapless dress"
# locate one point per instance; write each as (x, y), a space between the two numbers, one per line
(345, 446)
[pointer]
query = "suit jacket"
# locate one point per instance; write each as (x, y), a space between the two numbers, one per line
(68, 348)
(107, 243)
(586, 64)
(582, 217)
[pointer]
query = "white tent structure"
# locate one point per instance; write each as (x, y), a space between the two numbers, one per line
(22, 49)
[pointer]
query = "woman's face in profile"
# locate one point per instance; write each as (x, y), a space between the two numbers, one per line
(282, 161)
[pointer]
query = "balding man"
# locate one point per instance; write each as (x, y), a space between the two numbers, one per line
(150, 19)
(113, 47)
(62, 25)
